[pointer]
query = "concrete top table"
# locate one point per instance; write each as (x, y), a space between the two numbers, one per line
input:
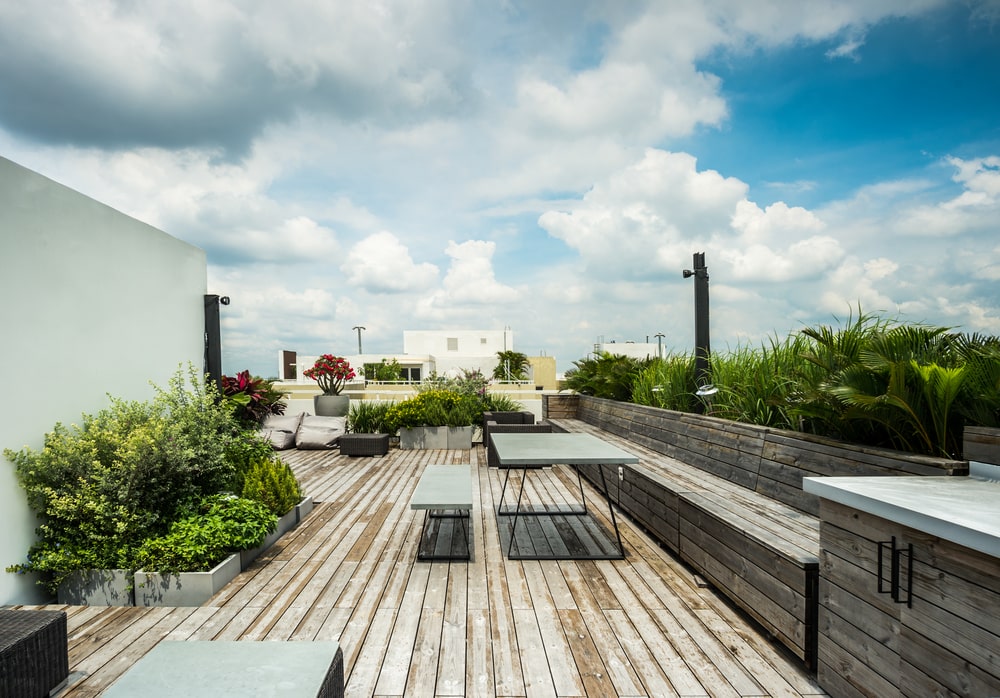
(531, 450)
(568, 448)
(963, 510)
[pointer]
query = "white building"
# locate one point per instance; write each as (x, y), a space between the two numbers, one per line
(634, 350)
(430, 352)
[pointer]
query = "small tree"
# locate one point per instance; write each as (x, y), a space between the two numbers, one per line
(511, 366)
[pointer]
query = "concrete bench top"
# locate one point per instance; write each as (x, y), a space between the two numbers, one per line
(444, 487)
(217, 668)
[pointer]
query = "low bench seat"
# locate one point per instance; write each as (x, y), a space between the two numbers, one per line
(445, 493)
(194, 668)
(727, 498)
(760, 553)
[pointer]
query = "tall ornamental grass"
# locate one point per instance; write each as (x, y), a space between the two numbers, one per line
(872, 381)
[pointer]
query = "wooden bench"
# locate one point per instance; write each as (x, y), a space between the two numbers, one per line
(444, 492)
(727, 498)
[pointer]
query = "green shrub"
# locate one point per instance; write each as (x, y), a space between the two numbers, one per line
(242, 451)
(102, 488)
(272, 483)
(500, 402)
(368, 417)
(222, 524)
(610, 376)
(436, 408)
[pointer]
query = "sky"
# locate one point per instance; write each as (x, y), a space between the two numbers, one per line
(550, 167)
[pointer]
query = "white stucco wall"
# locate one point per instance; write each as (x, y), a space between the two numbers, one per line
(93, 303)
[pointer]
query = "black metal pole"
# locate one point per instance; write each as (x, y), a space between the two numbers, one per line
(213, 341)
(702, 348)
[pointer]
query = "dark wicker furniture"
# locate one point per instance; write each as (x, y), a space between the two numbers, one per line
(492, 460)
(364, 444)
(34, 657)
(523, 417)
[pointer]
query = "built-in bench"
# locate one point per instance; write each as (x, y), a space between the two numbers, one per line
(727, 498)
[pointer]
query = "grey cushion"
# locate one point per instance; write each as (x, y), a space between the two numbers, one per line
(280, 430)
(320, 432)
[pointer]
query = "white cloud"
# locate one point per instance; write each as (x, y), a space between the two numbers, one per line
(381, 263)
(470, 280)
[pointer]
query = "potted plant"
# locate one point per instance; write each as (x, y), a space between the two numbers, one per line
(331, 373)
(424, 420)
(125, 476)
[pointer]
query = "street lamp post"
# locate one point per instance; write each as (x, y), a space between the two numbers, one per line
(659, 344)
(359, 328)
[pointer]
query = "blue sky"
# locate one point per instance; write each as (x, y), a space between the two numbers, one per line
(551, 167)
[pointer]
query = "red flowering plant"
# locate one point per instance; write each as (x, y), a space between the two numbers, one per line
(331, 372)
(251, 398)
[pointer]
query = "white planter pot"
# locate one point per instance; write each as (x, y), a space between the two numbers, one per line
(285, 524)
(423, 437)
(97, 588)
(460, 438)
(185, 588)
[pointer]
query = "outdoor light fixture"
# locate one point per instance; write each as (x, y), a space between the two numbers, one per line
(707, 390)
(359, 328)
(224, 300)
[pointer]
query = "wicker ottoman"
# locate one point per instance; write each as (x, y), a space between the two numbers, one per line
(364, 444)
(34, 658)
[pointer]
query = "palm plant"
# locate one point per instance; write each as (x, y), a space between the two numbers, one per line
(511, 366)
(607, 375)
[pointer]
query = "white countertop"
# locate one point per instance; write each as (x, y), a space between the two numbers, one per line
(962, 510)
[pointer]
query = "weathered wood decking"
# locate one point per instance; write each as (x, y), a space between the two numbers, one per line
(490, 627)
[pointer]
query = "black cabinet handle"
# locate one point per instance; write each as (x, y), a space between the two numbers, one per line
(890, 585)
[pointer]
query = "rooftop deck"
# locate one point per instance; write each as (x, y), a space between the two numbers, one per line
(490, 627)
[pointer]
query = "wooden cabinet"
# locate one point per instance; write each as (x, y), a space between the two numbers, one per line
(931, 629)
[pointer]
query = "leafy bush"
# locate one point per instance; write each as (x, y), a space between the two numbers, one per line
(222, 524)
(272, 483)
(500, 402)
(387, 371)
(369, 417)
(242, 452)
(102, 488)
(873, 381)
(251, 398)
(435, 407)
(607, 375)
(471, 383)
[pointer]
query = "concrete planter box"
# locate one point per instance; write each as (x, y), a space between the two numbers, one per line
(185, 588)
(97, 588)
(460, 438)
(285, 524)
(112, 587)
(423, 437)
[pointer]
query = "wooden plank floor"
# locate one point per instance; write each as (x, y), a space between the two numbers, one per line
(489, 627)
